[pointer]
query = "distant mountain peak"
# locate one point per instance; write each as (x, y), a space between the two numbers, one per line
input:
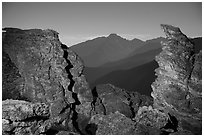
(114, 35)
(136, 39)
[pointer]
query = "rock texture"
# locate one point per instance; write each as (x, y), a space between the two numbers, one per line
(109, 99)
(178, 87)
(45, 91)
(150, 121)
(113, 124)
(38, 68)
(22, 117)
(115, 111)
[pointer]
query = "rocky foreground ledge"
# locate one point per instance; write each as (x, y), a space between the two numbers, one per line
(45, 91)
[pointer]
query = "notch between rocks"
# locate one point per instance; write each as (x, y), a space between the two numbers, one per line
(70, 88)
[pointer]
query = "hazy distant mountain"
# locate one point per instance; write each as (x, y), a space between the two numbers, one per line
(124, 63)
(102, 50)
(118, 72)
(148, 45)
(135, 79)
(93, 73)
(139, 56)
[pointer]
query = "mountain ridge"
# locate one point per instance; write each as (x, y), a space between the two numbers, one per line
(95, 73)
(102, 50)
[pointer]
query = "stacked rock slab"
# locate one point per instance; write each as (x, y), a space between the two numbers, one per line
(178, 87)
(38, 68)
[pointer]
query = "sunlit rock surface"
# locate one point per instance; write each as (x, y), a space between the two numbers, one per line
(178, 87)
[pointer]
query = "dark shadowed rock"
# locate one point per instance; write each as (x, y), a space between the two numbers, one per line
(109, 99)
(178, 87)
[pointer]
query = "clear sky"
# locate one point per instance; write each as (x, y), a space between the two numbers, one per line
(77, 22)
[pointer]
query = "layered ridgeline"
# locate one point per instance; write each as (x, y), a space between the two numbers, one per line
(177, 94)
(102, 50)
(104, 61)
(141, 55)
(122, 71)
(45, 91)
(135, 73)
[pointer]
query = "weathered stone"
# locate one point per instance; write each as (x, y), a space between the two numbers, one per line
(141, 129)
(109, 99)
(151, 117)
(137, 100)
(178, 87)
(51, 95)
(21, 117)
(38, 68)
(112, 124)
(38, 56)
(66, 133)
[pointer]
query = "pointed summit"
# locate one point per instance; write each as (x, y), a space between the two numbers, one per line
(114, 35)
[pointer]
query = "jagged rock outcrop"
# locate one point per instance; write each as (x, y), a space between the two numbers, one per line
(115, 109)
(178, 87)
(45, 92)
(38, 68)
(109, 99)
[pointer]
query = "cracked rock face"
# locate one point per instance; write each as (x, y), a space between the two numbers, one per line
(45, 92)
(38, 68)
(178, 87)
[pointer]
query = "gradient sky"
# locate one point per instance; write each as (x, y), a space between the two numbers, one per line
(77, 22)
